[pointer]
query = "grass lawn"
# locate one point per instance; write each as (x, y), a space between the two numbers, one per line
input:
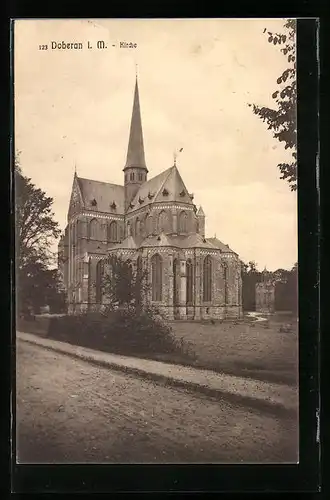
(253, 349)
(245, 348)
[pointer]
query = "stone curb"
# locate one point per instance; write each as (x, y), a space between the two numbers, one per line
(262, 404)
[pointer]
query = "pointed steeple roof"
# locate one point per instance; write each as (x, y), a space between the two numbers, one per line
(135, 151)
(200, 211)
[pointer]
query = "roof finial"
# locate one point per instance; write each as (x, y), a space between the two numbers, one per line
(75, 169)
(175, 155)
(136, 70)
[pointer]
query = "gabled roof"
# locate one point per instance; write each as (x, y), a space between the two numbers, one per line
(177, 241)
(104, 193)
(218, 244)
(194, 240)
(167, 186)
(135, 151)
(127, 243)
(161, 240)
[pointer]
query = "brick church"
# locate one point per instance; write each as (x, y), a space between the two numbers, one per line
(154, 223)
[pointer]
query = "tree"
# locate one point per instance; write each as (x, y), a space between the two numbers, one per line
(38, 286)
(282, 120)
(293, 289)
(286, 292)
(250, 276)
(35, 231)
(124, 286)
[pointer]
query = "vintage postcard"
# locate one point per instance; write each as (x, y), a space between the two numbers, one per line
(156, 241)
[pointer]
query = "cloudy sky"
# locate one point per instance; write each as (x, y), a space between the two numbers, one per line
(196, 78)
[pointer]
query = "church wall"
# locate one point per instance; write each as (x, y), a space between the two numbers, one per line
(201, 225)
(86, 235)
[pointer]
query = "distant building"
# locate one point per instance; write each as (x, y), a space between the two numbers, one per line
(265, 293)
(156, 225)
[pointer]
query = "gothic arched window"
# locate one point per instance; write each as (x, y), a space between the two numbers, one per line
(142, 227)
(175, 281)
(183, 222)
(189, 282)
(147, 225)
(239, 291)
(99, 275)
(207, 279)
(156, 278)
(113, 231)
(225, 282)
(138, 280)
(93, 229)
(163, 222)
(137, 227)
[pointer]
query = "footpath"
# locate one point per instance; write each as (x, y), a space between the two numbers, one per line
(257, 394)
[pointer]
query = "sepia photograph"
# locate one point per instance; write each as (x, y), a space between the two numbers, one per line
(156, 241)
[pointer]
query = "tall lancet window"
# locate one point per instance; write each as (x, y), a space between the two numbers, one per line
(175, 281)
(137, 227)
(142, 227)
(99, 276)
(156, 278)
(207, 279)
(113, 231)
(225, 282)
(189, 282)
(93, 229)
(147, 225)
(163, 222)
(238, 280)
(183, 222)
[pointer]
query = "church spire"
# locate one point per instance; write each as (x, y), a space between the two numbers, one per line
(135, 151)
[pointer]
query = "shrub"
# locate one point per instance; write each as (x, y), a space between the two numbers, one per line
(120, 331)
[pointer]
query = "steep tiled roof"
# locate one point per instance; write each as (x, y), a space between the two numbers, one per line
(218, 244)
(161, 240)
(151, 187)
(164, 187)
(104, 193)
(177, 241)
(194, 240)
(128, 243)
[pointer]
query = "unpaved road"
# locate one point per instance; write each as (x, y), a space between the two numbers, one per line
(71, 411)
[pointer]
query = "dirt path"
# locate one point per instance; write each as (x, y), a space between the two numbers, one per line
(71, 411)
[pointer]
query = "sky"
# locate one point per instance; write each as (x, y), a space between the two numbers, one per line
(196, 79)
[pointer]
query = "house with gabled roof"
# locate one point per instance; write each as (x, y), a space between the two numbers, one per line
(156, 224)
